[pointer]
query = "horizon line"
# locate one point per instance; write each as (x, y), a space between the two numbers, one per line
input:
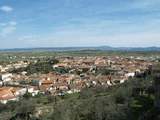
(78, 47)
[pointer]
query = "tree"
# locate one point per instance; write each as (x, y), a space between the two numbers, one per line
(25, 109)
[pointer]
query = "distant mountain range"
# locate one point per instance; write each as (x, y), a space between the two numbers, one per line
(101, 48)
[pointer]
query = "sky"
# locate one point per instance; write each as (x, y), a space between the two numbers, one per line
(73, 23)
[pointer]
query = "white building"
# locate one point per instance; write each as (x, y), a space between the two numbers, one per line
(6, 77)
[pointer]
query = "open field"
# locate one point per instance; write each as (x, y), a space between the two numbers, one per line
(14, 56)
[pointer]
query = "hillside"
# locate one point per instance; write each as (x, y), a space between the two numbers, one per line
(132, 100)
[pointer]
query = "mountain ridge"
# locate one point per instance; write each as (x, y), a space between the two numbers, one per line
(101, 48)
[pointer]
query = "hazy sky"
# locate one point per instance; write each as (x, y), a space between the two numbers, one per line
(62, 23)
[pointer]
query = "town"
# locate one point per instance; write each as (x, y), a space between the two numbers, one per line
(62, 75)
(79, 60)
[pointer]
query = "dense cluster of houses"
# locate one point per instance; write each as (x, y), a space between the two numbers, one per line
(82, 72)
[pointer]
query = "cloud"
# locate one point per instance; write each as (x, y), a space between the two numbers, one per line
(3, 24)
(13, 23)
(8, 28)
(6, 8)
(28, 38)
